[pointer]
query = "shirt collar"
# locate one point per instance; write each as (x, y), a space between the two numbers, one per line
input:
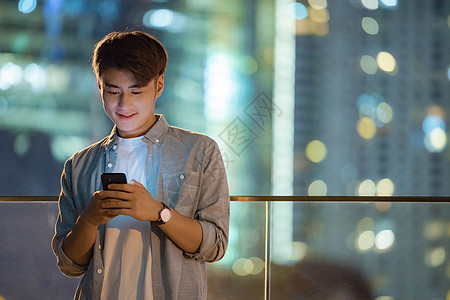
(154, 135)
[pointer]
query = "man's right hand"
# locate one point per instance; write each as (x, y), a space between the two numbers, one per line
(94, 214)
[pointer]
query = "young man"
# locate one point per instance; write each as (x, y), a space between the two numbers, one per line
(149, 238)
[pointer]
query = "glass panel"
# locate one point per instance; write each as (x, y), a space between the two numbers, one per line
(29, 268)
(240, 274)
(27, 264)
(391, 250)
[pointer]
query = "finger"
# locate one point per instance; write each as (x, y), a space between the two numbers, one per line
(125, 187)
(114, 203)
(118, 195)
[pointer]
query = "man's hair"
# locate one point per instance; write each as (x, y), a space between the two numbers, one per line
(138, 52)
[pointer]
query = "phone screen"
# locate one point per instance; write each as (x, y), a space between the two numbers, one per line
(108, 178)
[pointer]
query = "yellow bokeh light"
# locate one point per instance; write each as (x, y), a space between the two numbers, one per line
(366, 128)
(365, 240)
(316, 151)
(367, 188)
(384, 112)
(386, 62)
(368, 64)
(435, 257)
(242, 266)
(385, 187)
(258, 265)
(318, 4)
(370, 25)
(317, 188)
(370, 4)
(318, 15)
(438, 139)
(299, 251)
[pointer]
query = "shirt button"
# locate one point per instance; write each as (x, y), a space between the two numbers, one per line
(100, 247)
(181, 176)
(115, 147)
(157, 140)
(99, 271)
(109, 165)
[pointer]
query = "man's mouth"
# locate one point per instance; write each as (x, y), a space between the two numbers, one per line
(126, 116)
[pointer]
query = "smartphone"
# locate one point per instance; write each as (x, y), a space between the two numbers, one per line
(108, 178)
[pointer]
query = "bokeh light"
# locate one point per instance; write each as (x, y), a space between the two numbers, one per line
(435, 257)
(367, 188)
(365, 240)
(386, 62)
(299, 251)
(10, 75)
(297, 11)
(317, 188)
(368, 64)
(370, 25)
(435, 139)
(366, 128)
(27, 6)
(384, 239)
(318, 4)
(389, 3)
(384, 112)
(318, 15)
(385, 187)
(370, 4)
(316, 151)
(36, 76)
(158, 17)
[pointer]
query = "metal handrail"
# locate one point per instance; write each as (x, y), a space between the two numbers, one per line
(307, 199)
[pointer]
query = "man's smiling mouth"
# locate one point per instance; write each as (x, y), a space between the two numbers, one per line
(126, 116)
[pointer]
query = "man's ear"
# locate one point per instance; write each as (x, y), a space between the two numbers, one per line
(99, 85)
(160, 85)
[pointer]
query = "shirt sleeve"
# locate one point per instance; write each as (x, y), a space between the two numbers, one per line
(67, 218)
(213, 211)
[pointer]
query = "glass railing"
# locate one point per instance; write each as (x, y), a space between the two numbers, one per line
(298, 247)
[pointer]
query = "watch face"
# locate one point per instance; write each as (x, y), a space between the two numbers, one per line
(166, 214)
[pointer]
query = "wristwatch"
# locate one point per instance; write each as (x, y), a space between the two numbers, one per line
(165, 214)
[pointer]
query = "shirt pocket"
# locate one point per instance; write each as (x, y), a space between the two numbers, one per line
(181, 191)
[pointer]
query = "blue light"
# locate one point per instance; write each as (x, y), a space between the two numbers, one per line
(448, 73)
(432, 122)
(297, 11)
(27, 6)
(390, 3)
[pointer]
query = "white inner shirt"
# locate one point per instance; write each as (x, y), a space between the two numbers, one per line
(127, 253)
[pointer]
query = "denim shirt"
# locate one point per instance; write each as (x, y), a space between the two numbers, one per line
(184, 170)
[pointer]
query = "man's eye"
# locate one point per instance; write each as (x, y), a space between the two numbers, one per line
(136, 92)
(112, 92)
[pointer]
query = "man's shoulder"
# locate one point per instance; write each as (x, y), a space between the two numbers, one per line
(90, 150)
(189, 137)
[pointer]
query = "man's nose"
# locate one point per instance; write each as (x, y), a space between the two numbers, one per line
(125, 100)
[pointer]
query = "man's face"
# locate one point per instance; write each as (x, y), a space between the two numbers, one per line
(129, 105)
